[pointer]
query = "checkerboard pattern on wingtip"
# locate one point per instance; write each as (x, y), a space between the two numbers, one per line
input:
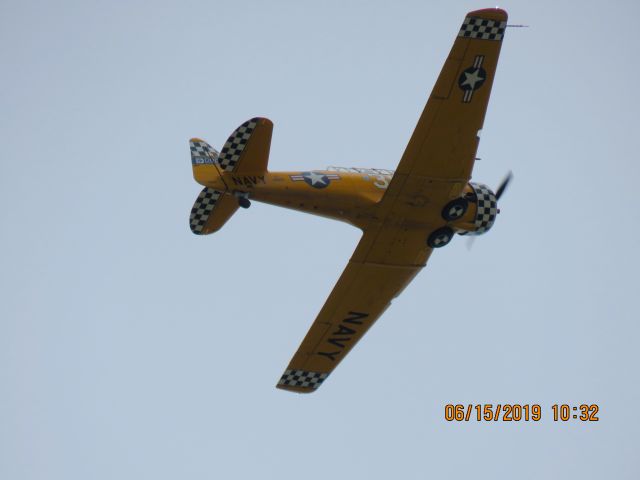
(202, 152)
(487, 208)
(302, 379)
(202, 208)
(230, 154)
(482, 28)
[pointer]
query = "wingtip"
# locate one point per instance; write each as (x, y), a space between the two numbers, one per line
(291, 388)
(262, 120)
(490, 13)
(301, 381)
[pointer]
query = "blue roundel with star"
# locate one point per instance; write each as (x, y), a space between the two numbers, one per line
(316, 180)
(472, 78)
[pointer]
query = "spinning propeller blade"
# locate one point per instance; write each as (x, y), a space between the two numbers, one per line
(503, 185)
(470, 242)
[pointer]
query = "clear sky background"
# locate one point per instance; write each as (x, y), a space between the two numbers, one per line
(130, 348)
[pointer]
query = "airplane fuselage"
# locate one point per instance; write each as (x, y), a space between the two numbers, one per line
(347, 194)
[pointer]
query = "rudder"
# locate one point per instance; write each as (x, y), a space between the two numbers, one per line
(204, 161)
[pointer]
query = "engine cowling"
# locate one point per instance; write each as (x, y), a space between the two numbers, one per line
(486, 209)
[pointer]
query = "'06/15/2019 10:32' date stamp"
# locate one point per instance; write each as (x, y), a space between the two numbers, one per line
(515, 412)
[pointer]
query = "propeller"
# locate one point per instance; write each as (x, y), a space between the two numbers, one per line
(499, 191)
(503, 186)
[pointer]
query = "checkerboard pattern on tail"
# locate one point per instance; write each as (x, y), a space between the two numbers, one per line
(482, 29)
(202, 152)
(202, 208)
(232, 149)
(303, 379)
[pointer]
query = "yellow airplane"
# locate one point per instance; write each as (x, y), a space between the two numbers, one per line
(404, 214)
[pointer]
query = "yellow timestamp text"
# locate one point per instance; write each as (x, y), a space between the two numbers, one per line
(515, 412)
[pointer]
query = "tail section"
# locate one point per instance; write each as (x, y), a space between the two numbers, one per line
(212, 208)
(246, 151)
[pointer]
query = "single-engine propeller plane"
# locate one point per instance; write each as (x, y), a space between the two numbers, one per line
(404, 215)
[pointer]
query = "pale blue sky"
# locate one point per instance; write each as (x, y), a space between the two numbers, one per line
(130, 348)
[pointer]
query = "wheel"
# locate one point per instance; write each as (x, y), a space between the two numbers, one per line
(440, 237)
(455, 209)
(244, 202)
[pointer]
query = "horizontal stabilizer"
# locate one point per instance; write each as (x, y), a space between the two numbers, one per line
(247, 148)
(211, 211)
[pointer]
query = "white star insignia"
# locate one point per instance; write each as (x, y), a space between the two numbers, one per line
(316, 178)
(472, 79)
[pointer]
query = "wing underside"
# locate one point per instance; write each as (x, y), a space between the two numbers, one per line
(441, 152)
(365, 289)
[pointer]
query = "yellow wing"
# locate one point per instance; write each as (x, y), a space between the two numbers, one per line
(441, 152)
(384, 262)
